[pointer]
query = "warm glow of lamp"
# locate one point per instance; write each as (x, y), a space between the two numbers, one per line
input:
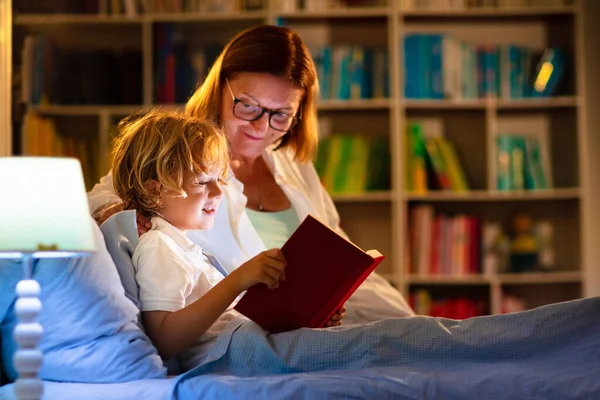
(43, 213)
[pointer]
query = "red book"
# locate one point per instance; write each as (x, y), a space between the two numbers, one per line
(323, 270)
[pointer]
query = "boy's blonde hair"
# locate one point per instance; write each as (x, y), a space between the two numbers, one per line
(166, 147)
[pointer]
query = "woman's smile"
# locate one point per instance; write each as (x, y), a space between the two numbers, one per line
(252, 137)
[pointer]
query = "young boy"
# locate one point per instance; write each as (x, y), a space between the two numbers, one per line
(170, 168)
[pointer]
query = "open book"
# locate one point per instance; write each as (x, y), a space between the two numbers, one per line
(323, 270)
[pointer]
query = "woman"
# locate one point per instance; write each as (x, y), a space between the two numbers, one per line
(263, 89)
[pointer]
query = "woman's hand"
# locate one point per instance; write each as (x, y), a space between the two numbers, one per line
(267, 267)
(103, 213)
(336, 319)
(143, 224)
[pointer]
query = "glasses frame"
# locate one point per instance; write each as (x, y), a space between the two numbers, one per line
(295, 118)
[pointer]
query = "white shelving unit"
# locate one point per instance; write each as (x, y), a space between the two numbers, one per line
(5, 77)
(378, 219)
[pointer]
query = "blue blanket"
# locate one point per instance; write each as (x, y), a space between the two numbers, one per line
(552, 352)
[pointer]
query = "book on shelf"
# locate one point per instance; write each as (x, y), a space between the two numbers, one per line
(322, 5)
(522, 162)
(440, 66)
(354, 164)
(51, 74)
(178, 66)
(40, 136)
(132, 8)
(424, 302)
(351, 72)
(443, 245)
(451, 5)
(432, 161)
(323, 270)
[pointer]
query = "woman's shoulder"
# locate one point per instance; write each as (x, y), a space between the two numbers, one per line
(284, 161)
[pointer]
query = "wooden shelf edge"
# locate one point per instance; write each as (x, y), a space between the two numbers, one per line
(448, 280)
(492, 103)
(370, 197)
(362, 104)
(197, 17)
(491, 195)
(494, 12)
(504, 279)
(540, 277)
(91, 110)
(52, 19)
(352, 12)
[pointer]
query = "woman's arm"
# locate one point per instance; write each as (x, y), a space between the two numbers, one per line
(102, 196)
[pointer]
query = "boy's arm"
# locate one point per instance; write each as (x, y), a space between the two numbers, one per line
(165, 282)
(172, 332)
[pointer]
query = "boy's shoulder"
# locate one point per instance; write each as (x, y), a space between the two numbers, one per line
(155, 241)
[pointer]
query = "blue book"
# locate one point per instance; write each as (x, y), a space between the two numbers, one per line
(322, 60)
(411, 66)
(436, 88)
(341, 72)
(514, 59)
(364, 74)
(356, 72)
(424, 67)
(504, 146)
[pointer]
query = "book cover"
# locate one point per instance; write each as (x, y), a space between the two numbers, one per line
(323, 270)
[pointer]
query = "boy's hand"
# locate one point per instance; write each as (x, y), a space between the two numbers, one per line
(267, 267)
(336, 319)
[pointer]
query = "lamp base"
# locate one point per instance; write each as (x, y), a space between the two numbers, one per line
(28, 332)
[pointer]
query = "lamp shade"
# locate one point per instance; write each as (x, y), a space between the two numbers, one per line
(43, 208)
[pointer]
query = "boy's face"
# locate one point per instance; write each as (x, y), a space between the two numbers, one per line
(198, 209)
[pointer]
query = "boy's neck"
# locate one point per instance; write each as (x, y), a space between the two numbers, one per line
(184, 231)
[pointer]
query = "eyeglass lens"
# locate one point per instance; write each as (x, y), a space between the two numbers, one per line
(250, 112)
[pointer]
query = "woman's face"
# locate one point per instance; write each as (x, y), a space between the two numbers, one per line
(249, 139)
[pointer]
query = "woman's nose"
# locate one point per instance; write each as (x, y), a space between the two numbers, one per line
(261, 125)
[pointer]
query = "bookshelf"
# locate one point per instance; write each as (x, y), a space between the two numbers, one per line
(381, 218)
(5, 77)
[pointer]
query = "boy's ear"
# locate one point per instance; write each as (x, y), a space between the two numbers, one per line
(153, 186)
(154, 190)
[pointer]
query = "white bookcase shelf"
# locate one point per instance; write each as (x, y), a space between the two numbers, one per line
(380, 219)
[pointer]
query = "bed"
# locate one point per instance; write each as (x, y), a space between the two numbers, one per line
(518, 356)
(98, 350)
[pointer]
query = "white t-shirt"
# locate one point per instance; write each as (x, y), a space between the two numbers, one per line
(173, 272)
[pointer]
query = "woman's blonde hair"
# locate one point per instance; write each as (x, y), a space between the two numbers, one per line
(166, 147)
(272, 50)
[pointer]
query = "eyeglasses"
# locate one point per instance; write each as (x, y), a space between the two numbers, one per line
(278, 120)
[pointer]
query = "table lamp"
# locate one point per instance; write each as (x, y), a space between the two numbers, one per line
(43, 213)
